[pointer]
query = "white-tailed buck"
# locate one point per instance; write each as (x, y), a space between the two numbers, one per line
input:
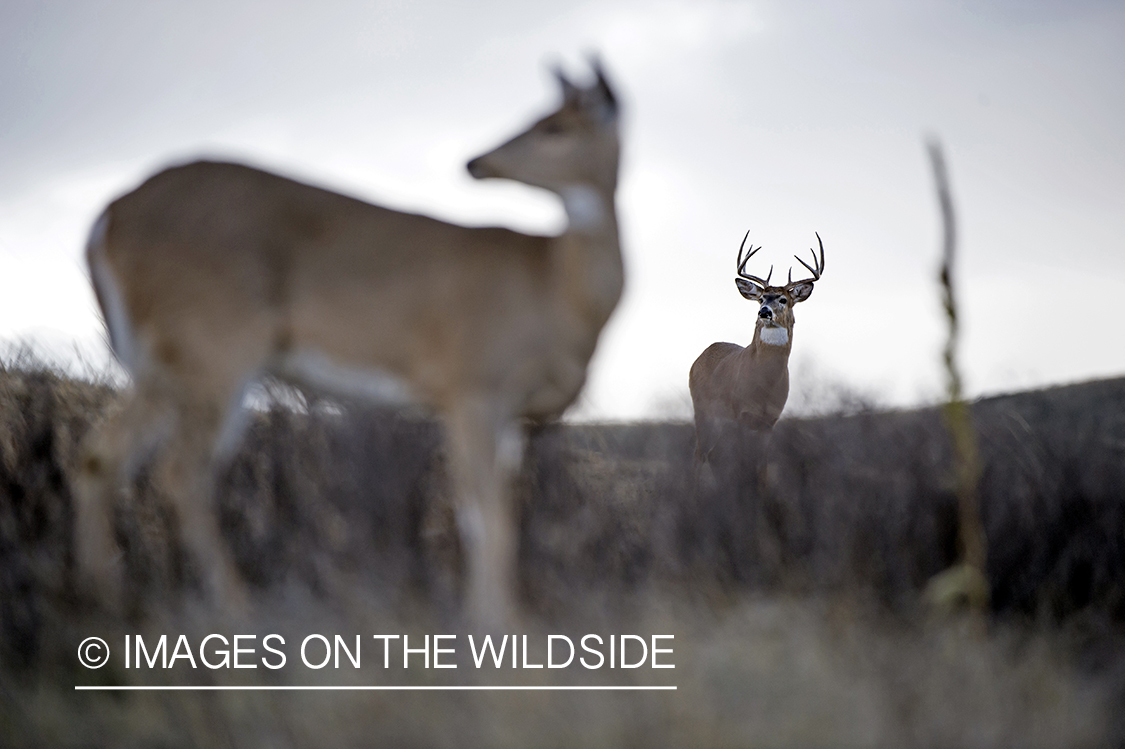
(213, 275)
(747, 387)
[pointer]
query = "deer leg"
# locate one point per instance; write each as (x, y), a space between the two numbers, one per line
(187, 476)
(753, 448)
(704, 444)
(763, 537)
(730, 492)
(207, 370)
(484, 451)
(109, 460)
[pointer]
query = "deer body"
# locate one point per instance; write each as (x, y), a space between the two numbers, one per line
(212, 275)
(747, 386)
(313, 267)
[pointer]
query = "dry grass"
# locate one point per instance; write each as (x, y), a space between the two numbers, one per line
(794, 600)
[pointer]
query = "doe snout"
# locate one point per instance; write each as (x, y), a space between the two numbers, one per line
(476, 169)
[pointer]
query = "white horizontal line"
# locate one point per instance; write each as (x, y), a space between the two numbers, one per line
(506, 688)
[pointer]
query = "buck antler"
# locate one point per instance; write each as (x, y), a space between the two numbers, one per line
(815, 271)
(741, 263)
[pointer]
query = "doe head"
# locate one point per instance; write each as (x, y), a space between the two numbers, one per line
(576, 145)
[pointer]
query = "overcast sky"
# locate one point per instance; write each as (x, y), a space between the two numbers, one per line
(784, 118)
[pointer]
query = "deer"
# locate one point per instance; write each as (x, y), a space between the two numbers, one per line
(211, 276)
(737, 389)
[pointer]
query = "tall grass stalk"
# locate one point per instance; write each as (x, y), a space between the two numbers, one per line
(966, 581)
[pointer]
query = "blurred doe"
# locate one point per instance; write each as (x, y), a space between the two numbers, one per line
(746, 388)
(211, 276)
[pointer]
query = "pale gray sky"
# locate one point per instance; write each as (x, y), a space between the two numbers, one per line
(780, 117)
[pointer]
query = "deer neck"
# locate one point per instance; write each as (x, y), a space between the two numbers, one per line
(772, 342)
(587, 207)
(589, 252)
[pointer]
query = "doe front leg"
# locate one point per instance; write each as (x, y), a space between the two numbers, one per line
(187, 476)
(485, 449)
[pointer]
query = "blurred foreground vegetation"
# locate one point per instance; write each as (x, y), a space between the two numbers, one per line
(794, 591)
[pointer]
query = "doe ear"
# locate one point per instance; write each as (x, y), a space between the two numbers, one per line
(571, 93)
(600, 98)
(801, 292)
(748, 290)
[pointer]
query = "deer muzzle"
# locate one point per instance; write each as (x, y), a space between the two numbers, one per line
(476, 168)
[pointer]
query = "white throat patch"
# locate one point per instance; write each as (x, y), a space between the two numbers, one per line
(775, 336)
(584, 209)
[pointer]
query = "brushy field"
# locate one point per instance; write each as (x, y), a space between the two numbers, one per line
(794, 594)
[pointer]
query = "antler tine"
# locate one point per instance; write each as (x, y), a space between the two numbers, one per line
(741, 263)
(816, 275)
(819, 264)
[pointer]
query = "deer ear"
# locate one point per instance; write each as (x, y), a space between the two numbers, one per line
(748, 290)
(801, 292)
(599, 99)
(571, 93)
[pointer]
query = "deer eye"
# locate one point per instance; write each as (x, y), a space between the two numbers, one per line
(782, 301)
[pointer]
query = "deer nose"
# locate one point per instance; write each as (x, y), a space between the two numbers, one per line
(476, 169)
(765, 313)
